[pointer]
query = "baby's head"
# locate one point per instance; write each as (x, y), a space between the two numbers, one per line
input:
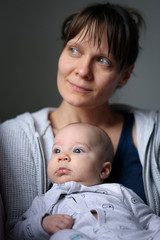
(81, 153)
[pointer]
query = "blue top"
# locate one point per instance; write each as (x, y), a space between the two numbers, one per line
(127, 168)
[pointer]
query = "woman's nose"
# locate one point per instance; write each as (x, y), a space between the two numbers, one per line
(84, 69)
(64, 157)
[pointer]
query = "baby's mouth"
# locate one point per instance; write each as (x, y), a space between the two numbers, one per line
(62, 171)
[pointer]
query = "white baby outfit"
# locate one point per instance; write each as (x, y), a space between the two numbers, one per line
(121, 214)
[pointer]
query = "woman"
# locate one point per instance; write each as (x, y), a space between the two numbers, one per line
(98, 56)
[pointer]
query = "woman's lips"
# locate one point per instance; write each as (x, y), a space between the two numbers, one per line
(78, 88)
(62, 171)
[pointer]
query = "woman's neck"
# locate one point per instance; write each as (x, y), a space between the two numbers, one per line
(65, 114)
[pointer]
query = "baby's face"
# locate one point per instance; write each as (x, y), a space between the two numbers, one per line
(77, 155)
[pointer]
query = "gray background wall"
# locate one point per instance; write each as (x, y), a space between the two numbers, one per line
(30, 47)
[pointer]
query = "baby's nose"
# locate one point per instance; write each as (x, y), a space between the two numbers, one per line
(64, 157)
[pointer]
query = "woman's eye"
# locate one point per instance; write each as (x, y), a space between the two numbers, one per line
(77, 150)
(74, 50)
(104, 61)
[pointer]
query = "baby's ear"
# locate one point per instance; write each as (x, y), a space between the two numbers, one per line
(106, 169)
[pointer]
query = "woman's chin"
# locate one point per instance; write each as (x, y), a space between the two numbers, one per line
(78, 102)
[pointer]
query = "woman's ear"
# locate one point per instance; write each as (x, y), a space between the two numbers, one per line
(106, 169)
(125, 76)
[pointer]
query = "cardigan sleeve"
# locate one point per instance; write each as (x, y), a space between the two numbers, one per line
(19, 168)
(148, 138)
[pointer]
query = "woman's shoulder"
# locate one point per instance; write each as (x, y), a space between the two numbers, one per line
(17, 128)
(27, 122)
(146, 119)
(137, 112)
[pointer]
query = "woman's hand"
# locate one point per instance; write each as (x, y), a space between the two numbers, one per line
(54, 223)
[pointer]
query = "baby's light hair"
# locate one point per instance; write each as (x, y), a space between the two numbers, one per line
(108, 143)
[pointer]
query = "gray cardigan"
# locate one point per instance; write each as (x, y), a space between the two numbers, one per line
(25, 149)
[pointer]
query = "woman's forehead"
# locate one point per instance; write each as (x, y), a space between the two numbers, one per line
(93, 34)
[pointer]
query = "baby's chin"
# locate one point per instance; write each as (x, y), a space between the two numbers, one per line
(63, 180)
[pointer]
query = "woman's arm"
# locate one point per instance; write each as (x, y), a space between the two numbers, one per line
(19, 169)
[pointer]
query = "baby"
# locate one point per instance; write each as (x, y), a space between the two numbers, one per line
(79, 205)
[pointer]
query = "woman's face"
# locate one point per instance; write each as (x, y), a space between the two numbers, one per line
(87, 76)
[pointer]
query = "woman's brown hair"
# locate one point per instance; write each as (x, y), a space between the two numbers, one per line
(120, 23)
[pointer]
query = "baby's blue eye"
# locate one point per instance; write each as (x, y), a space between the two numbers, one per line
(77, 150)
(57, 150)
